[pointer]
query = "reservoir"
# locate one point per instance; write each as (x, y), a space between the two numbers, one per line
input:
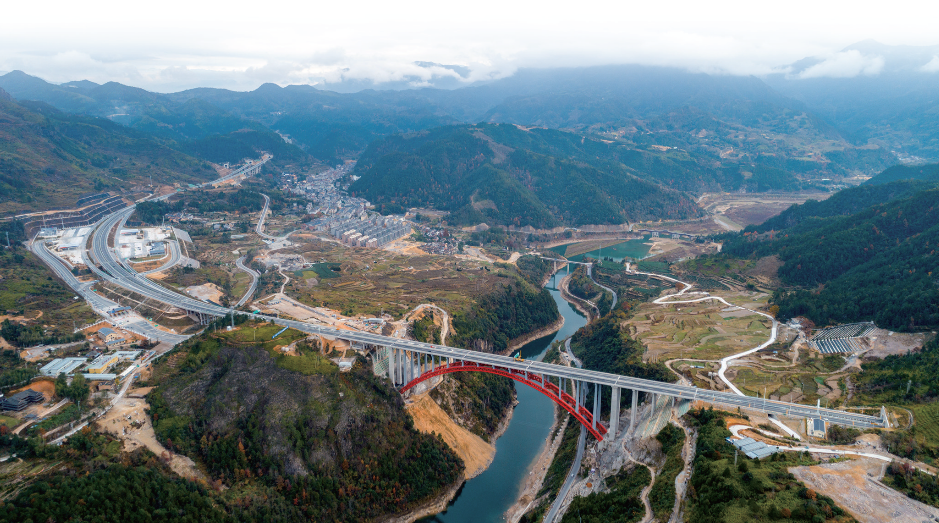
(486, 497)
(633, 249)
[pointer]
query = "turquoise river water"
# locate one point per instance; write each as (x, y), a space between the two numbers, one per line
(486, 497)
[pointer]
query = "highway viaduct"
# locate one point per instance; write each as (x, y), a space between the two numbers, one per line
(408, 363)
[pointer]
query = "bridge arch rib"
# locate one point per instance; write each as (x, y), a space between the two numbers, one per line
(565, 400)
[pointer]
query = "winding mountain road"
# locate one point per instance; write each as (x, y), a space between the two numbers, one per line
(240, 263)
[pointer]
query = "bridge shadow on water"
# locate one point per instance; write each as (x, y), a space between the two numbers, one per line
(486, 497)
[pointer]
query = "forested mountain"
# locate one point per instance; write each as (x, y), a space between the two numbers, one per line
(878, 263)
(928, 173)
(330, 126)
(200, 128)
(322, 446)
(842, 203)
(723, 121)
(48, 158)
(500, 174)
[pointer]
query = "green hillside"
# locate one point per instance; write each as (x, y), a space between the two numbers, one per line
(500, 174)
(48, 158)
(878, 263)
(929, 173)
(326, 446)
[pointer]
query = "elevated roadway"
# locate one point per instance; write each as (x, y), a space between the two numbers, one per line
(112, 271)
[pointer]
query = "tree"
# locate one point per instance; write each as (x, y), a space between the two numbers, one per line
(61, 385)
(78, 390)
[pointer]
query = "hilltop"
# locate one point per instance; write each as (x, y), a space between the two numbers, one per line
(500, 174)
(867, 253)
(48, 158)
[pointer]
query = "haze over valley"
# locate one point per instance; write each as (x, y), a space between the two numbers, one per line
(371, 264)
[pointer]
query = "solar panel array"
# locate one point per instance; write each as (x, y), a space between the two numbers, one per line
(842, 338)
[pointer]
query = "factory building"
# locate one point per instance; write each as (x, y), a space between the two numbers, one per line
(102, 363)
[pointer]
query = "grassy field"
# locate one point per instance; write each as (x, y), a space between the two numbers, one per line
(698, 331)
(927, 422)
(323, 271)
(8, 421)
(373, 281)
(261, 334)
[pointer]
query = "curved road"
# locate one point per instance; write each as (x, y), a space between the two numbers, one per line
(725, 362)
(117, 274)
(254, 281)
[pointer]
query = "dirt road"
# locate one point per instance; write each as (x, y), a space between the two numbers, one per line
(128, 421)
(853, 486)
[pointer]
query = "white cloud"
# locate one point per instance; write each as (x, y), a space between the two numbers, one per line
(932, 66)
(181, 42)
(846, 64)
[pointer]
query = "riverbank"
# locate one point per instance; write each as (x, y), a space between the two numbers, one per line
(521, 341)
(578, 303)
(532, 484)
(429, 508)
(538, 470)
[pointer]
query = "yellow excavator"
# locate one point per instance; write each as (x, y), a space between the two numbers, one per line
(518, 356)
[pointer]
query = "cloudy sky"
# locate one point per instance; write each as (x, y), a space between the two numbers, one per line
(175, 44)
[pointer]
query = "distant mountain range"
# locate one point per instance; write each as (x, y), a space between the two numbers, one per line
(873, 92)
(740, 118)
(48, 157)
(691, 132)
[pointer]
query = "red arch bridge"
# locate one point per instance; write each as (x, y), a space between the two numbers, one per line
(410, 363)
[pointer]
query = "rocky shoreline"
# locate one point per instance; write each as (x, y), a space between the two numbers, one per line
(429, 508)
(574, 300)
(521, 341)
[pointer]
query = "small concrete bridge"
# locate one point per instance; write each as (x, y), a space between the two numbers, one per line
(556, 261)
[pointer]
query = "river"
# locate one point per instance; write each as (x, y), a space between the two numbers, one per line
(486, 497)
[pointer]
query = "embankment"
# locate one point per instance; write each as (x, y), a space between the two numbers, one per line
(430, 418)
(578, 303)
(519, 342)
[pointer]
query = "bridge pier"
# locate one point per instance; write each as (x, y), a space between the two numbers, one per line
(575, 385)
(596, 405)
(632, 412)
(614, 413)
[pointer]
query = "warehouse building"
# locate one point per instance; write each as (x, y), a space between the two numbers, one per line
(62, 366)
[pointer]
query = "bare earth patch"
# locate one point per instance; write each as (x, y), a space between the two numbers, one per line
(137, 431)
(429, 417)
(854, 486)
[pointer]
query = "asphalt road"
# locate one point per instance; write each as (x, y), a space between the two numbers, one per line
(254, 281)
(578, 458)
(119, 275)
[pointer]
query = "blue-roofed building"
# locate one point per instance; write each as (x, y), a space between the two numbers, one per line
(815, 428)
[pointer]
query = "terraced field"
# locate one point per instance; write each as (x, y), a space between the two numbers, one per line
(927, 422)
(697, 331)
